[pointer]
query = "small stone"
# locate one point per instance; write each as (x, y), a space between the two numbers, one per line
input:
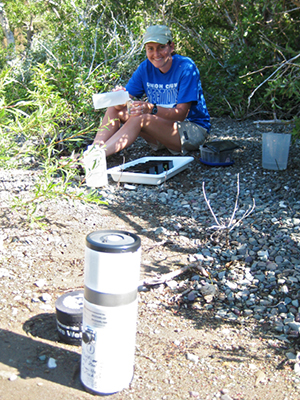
(35, 300)
(172, 285)
(297, 368)
(225, 397)
(294, 326)
(160, 231)
(194, 394)
(129, 187)
(263, 255)
(4, 272)
(208, 290)
(192, 357)
(51, 363)
(46, 297)
(191, 296)
(284, 289)
(291, 356)
(287, 301)
(40, 283)
(260, 377)
(13, 377)
(295, 303)
(282, 308)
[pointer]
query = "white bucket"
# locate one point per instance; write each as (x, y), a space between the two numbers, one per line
(109, 99)
(94, 160)
(111, 276)
(275, 150)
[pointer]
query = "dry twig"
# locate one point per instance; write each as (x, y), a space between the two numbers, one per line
(231, 224)
(171, 275)
(269, 77)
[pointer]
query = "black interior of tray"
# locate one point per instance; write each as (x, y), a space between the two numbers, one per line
(219, 146)
(150, 167)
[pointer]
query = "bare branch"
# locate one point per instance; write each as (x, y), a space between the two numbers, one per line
(207, 202)
(247, 213)
(95, 45)
(5, 26)
(171, 275)
(269, 77)
(231, 225)
(236, 200)
(274, 121)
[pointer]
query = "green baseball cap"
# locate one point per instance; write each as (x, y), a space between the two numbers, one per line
(158, 34)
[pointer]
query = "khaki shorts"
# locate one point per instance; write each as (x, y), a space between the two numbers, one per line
(192, 136)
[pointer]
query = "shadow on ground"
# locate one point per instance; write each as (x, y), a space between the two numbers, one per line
(28, 356)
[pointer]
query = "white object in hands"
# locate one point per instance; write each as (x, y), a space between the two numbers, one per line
(109, 99)
(94, 160)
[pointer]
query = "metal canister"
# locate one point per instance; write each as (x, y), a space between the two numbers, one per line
(111, 276)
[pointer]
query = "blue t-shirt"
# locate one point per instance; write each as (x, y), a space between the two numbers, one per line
(181, 84)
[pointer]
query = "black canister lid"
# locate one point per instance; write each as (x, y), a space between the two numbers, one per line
(113, 241)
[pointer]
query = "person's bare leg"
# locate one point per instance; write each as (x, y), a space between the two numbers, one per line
(124, 137)
(110, 124)
(150, 127)
(162, 131)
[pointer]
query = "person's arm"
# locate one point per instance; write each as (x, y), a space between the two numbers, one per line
(178, 113)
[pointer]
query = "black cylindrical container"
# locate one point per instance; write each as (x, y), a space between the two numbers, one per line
(69, 308)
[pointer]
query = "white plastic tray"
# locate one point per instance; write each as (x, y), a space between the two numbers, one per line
(179, 164)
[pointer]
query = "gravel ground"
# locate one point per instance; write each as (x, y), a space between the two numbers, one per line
(226, 327)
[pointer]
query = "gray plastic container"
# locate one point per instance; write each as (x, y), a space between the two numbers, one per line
(275, 150)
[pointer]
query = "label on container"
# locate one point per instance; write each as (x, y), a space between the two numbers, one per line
(107, 358)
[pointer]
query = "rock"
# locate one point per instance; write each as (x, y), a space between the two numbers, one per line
(192, 357)
(40, 283)
(192, 295)
(4, 272)
(225, 397)
(291, 356)
(46, 297)
(51, 363)
(209, 290)
(194, 394)
(295, 326)
(260, 378)
(263, 255)
(172, 284)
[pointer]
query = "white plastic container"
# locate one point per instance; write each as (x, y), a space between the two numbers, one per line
(94, 160)
(111, 278)
(119, 173)
(275, 150)
(109, 99)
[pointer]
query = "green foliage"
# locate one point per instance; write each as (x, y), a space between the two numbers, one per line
(36, 132)
(296, 128)
(91, 46)
(237, 47)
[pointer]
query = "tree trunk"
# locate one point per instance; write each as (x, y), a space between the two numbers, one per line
(5, 26)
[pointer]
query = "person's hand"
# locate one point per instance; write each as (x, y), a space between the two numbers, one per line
(136, 108)
(117, 88)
